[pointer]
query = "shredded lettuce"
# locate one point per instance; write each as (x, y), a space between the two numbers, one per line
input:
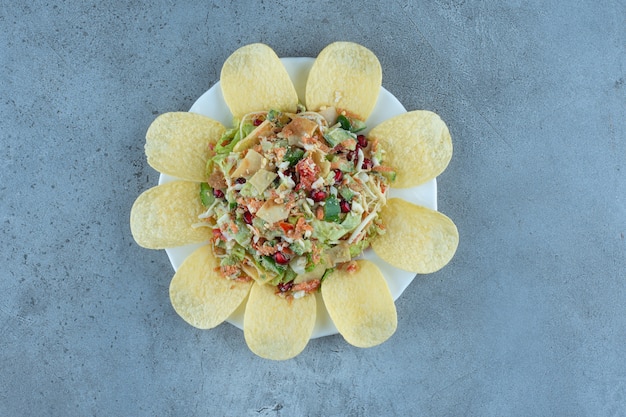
(327, 231)
(235, 256)
(351, 221)
(243, 235)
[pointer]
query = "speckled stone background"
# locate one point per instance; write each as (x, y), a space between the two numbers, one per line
(529, 319)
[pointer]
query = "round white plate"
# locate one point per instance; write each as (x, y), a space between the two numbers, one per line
(211, 104)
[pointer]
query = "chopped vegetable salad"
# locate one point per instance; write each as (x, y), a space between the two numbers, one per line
(290, 196)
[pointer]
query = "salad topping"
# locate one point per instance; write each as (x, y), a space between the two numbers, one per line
(290, 196)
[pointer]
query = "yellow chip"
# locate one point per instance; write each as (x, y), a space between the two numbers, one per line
(254, 79)
(360, 304)
(417, 145)
(277, 328)
(253, 137)
(177, 144)
(416, 238)
(164, 216)
(201, 295)
(346, 76)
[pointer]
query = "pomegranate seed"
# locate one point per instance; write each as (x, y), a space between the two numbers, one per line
(285, 286)
(218, 193)
(361, 141)
(240, 180)
(350, 156)
(338, 175)
(367, 164)
(344, 206)
(318, 195)
(257, 122)
(247, 217)
(281, 258)
(291, 173)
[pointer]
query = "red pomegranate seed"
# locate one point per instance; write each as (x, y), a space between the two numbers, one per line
(218, 193)
(240, 180)
(344, 206)
(281, 258)
(338, 175)
(361, 141)
(367, 164)
(247, 217)
(318, 195)
(291, 173)
(285, 286)
(257, 122)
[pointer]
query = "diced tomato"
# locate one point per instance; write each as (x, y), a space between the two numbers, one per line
(287, 227)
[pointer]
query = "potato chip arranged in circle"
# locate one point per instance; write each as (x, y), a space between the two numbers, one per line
(417, 144)
(164, 216)
(275, 327)
(254, 79)
(201, 295)
(424, 247)
(346, 76)
(177, 144)
(360, 304)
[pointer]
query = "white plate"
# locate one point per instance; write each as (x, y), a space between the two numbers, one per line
(211, 104)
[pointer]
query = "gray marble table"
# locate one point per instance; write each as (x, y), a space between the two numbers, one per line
(529, 318)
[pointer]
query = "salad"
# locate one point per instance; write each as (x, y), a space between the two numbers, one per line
(290, 196)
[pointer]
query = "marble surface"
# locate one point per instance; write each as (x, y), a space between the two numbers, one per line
(529, 318)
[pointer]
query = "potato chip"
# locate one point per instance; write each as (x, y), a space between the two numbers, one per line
(275, 327)
(201, 295)
(177, 144)
(417, 145)
(416, 238)
(163, 216)
(347, 76)
(254, 79)
(360, 304)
